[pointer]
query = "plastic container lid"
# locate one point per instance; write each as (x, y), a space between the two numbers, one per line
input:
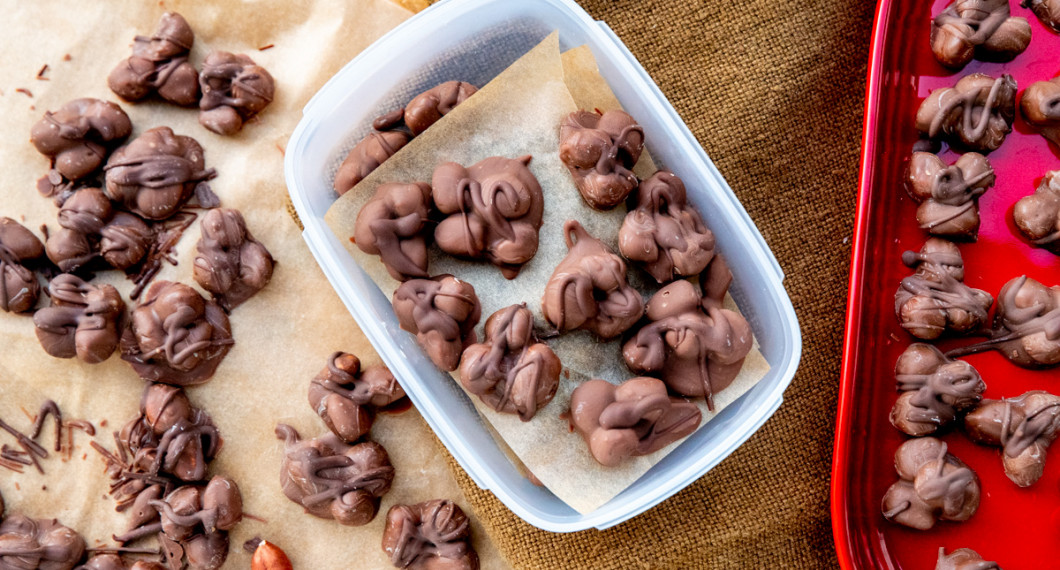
(474, 40)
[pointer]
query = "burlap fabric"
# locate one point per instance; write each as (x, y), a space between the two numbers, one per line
(774, 92)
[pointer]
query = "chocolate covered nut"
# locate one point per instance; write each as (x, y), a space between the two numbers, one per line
(114, 562)
(1038, 216)
(1026, 326)
(30, 544)
(511, 371)
(588, 289)
(159, 64)
(229, 262)
(234, 89)
(170, 435)
(933, 390)
(156, 173)
(78, 135)
(333, 480)
(366, 156)
(975, 114)
(963, 559)
(1041, 106)
(442, 312)
(949, 195)
(391, 225)
(175, 336)
(125, 240)
(980, 29)
(19, 287)
(84, 320)
(1048, 11)
(493, 211)
(932, 486)
(934, 299)
(664, 234)
(1023, 427)
(346, 397)
(433, 535)
(632, 419)
(430, 106)
(600, 151)
(694, 344)
(90, 228)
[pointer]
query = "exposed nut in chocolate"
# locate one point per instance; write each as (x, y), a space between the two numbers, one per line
(366, 156)
(600, 151)
(175, 336)
(428, 107)
(934, 299)
(170, 436)
(78, 135)
(84, 320)
(442, 312)
(511, 371)
(90, 228)
(234, 89)
(159, 64)
(1041, 105)
(391, 225)
(975, 114)
(980, 29)
(949, 195)
(19, 287)
(1048, 11)
(433, 535)
(156, 173)
(493, 210)
(694, 344)
(963, 559)
(1023, 427)
(664, 234)
(346, 397)
(333, 480)
(632, 419)
(1038, 216)
(30, 544)
(229, 262)
(933, 390)
(932, 486)
(588, 289)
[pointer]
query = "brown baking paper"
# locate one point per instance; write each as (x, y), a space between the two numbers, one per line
(283, 335)
(519, 113)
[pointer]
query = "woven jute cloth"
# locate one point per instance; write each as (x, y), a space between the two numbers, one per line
(774, 92)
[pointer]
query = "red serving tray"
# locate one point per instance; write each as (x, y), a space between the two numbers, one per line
(1018, 528)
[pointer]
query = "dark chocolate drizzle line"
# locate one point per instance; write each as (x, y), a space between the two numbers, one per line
(390, 233)
(412, 543)
(8, 261)
(30, 447)
(492, 365)
(608, 161)
(233, 73)
(966, 102)
(49, 407)
(171, 171)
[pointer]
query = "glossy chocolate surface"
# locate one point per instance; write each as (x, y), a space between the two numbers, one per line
(234, 89)
(949, 195)
(19, 288)
(229, 262)
(932, 486)
(78, 136)
(442, 312)
(600, 151)
(346, 396)
(975, 114)
(433, 535)
(84, 320)
(934, 300)
(1024, 427)
(933, 390)
(392, 225)
(159, 64)
(980, 29)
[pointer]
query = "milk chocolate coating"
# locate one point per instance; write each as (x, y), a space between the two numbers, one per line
(78, 135)
(933, 389)
(963, 559)
(691, 342)
(229, 262)
(934, 299)
(1023, 427)
(1048, 11)
(333, 480)
(1027, 324)
(980, 29)
(511, 371)
(932, 486)
(632, 419)
(43, 544)
(588, 289)
(19, 287)
(175, 336)
(442, 312)
(156, 173)
(493, 210)
(114, 562)
(1038, 216)
(664, 234)
(234, 89)
(1041, 106)
(600, 151)
(366, 156)
(91, 228)
(391, 225)
(84, 320)
(159, 64)
(975, 114)
(433, 535)
(430, 106)
(346, 397)
(949, 195)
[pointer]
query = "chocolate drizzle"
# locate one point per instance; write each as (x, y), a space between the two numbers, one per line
(234, 89)
(84, 320)
(78, 136)
(933, 485)
(600, 151)
(346, 397)
(433, 535)
(949, 195)
(934, 299)
(974, 114)
(392, 226)
(442, 312)
(933, 390)
(1024, 427)
(1026, 326)
(983, 29)
(159, 64)
(19, 288)
(229, 262)
(92, 229)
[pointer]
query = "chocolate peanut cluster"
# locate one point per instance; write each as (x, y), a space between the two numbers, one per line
(442, 312)
(392, 225)
(949, 195)
(19, 251)
(600, 151)
(234, 90)
(963, 559)
(1048, 11)
(90, 228)
(934, 390)
(78, 137)
(159, 65)
(980, 29)
(1024, 427)
(975, 114)
(1040, 105)
(932, 486)
(1027, 324)
(229, 262)
(429, 107)
(934, 299)
(433, 535)
(1038, 216)
(38, 543)
(115, 562)
(84, 320)
(346, 396)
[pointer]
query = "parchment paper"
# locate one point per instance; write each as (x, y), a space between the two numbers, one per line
(519, 113)
(283, 335)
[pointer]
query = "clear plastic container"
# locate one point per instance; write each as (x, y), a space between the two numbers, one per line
(474, 40)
